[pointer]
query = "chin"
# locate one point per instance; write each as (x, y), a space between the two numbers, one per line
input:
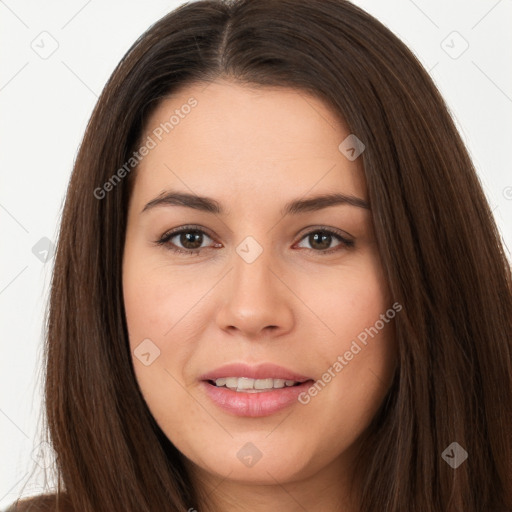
(260, 461)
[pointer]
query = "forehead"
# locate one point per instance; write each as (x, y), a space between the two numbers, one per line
(224, 138)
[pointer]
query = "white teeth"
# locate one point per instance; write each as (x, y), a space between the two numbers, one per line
(245, 383)
(263, 383)
(231, 382)
(279, 383)
(252, 385)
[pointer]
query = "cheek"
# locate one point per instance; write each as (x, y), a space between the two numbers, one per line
(352, 299)
(357, 360)
(150, 303)
(165, 305)
(159, 299)
(160, 318)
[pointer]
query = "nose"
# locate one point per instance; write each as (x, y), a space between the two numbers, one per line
(256, 300)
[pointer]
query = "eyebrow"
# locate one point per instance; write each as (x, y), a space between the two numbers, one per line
(207, 204)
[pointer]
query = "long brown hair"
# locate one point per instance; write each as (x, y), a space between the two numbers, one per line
(440, 249)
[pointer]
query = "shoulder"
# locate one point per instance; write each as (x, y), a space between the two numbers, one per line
(40, 503)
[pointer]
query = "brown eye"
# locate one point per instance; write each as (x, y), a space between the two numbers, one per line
(320, 241)
(190, 239)
(186, 240)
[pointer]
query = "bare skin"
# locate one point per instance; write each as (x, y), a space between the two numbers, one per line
(253, 151)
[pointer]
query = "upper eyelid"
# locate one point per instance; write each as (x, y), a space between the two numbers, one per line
(178, 231)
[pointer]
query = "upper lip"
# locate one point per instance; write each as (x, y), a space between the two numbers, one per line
(259, 371)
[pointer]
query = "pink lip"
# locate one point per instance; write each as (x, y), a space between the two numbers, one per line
(254, 404)
(260, 371)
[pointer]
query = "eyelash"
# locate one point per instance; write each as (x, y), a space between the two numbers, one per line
(166, 237)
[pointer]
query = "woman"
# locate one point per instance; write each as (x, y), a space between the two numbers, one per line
(278, 283)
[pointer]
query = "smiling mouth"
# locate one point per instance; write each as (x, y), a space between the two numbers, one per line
(249, 397)
(248, 385)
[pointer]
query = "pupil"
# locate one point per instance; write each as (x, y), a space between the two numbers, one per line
(325, 240)
(188, 238)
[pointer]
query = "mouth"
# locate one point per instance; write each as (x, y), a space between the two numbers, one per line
(247, 390)
(253, 398)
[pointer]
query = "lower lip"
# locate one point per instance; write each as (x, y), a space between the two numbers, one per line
(254, 405)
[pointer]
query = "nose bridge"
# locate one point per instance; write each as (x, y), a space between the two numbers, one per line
(252, 270)
(252, 265)
(255, 298)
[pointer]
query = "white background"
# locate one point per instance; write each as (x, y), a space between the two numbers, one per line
(45, 105)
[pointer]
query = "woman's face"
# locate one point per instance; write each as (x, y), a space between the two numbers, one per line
(287, 293)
